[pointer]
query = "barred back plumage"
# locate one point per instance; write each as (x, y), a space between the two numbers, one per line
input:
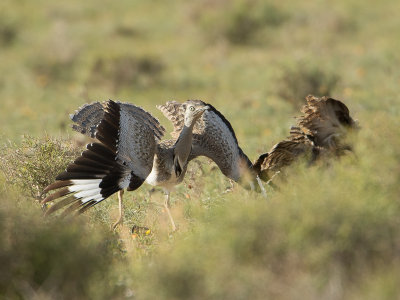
(320, 130)
(213, 137)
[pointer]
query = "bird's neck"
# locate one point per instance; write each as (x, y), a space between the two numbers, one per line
(183, 146)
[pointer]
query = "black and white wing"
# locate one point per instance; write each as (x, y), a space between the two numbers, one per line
(122, 157)
(213, 137)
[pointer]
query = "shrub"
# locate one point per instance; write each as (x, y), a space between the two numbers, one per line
(297, 82)
(126, 71)
(8, 31)
(53, 258)
(246, 19)
(240, 21)
(36, 162)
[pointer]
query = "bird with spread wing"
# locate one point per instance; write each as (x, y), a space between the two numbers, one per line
(320, 131)
(128, 151)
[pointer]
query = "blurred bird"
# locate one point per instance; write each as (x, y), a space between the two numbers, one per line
(129, 151)
(320, 132)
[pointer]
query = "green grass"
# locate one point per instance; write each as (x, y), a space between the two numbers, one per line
(329, 232)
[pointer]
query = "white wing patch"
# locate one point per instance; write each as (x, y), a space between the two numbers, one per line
(86, 190)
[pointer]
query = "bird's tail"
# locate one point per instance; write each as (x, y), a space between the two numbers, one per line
(97, 173)
(91, 178)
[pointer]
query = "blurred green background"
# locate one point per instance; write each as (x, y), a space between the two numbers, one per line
(329, 233)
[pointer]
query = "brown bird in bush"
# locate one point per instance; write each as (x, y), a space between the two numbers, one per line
(320, 132)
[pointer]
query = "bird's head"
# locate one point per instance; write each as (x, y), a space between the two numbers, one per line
(194, 110)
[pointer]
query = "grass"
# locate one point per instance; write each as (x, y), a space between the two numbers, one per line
(329, 232)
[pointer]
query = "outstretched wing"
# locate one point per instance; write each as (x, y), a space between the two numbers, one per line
(324, 119)
(88, 117)
(282, 154)
(318, 132)
(213, 137)
(122, 158)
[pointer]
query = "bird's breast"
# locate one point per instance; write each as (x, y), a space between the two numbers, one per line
(163, 173)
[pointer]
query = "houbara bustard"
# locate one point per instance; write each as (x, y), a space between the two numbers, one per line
(128, 151)
(320, 132)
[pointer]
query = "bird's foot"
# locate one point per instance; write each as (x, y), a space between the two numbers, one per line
(120, 221)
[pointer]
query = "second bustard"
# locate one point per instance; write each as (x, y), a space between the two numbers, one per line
(129, 151)
(320, 132)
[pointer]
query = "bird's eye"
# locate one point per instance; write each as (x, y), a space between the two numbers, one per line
(191, 108)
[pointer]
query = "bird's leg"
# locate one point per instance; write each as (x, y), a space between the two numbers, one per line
(166, 205)
(263, 192)
(121, 210)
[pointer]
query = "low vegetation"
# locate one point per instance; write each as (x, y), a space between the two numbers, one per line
(35, 163)
(243, 22)
(296, 82)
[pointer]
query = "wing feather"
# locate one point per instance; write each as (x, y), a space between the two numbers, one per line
(87, 118)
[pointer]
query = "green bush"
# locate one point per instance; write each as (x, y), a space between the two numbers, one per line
(247, 18)
(240, 21)
(126, 71)
(35, 163)
(303, 79)
(8, 32)
(54, 259)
